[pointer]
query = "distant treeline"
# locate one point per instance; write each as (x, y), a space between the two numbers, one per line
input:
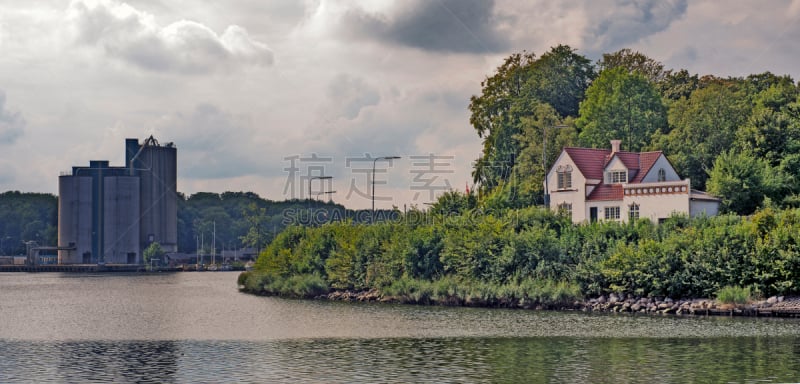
(243, 219)
(27, 217)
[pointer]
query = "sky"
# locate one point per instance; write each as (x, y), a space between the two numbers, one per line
(268, 96)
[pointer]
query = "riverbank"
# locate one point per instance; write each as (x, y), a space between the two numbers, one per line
(526, 294)
(776, 306)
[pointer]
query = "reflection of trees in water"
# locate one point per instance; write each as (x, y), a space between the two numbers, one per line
(404, 360)
(118, 361)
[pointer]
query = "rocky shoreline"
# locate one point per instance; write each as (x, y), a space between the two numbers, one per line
(776, 306)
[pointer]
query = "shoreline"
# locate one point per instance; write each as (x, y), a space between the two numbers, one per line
(776, 306)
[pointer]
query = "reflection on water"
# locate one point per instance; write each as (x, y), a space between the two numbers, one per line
(195, 327)
(404, 360)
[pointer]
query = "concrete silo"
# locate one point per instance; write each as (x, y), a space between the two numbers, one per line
(156, 165)
(74, 218)
(111, 214)
(121, 211)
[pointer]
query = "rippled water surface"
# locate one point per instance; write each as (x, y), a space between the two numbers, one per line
(196, 327)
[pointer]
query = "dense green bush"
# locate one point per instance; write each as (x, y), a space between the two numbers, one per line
(533, 256)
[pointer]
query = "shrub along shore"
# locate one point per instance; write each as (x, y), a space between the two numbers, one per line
(532, 258)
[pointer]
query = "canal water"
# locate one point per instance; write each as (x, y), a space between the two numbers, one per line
(197, 328)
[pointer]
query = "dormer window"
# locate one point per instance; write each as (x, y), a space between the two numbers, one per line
(564, 173)
(617, 177)
(662, 174)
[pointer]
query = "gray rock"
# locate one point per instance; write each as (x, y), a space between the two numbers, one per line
(772, 300)
(613, 298)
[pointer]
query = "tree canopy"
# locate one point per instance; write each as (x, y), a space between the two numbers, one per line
(620, 105)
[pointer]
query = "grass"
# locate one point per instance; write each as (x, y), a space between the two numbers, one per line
(733, 295)
(450, 291)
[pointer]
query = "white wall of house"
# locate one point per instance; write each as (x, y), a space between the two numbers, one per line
(661, 163)
(575, 195)
(655, 207)
(601, 206)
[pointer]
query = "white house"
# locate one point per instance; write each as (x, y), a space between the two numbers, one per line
(600, 184)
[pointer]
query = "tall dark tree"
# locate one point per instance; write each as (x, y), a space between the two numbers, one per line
(634, 62)
(495, 116)
(620, 105)
(676, 85)
(558, 78)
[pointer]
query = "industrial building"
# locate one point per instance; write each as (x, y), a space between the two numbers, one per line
(112, 214)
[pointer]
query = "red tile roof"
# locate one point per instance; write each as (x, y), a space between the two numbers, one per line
(606, 192)
(589, 161)
(592, 162)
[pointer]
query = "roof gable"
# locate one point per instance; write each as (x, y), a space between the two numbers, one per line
(590, 161)
(646, 161)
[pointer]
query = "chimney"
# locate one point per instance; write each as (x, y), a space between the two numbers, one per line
(615, 146)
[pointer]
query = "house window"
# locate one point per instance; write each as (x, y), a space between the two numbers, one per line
(662, 174)
(564, 174)
(633, 211)
(612, 213)
(616, 177)
(565, 209)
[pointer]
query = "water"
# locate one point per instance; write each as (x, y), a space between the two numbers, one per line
(196, 327)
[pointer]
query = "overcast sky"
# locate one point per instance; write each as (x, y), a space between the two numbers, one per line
(257, 95)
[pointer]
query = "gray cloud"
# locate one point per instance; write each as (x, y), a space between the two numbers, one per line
(442, 25)
(212, 143)
(12, 124)
(350, 94)
(624, 22)
(133, 36)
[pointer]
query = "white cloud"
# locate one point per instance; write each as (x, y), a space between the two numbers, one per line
(12, 124)
(131, 35)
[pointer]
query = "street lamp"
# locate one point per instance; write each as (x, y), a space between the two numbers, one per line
(375, 160)
(544, 164)
(329, 193)
(316, 178)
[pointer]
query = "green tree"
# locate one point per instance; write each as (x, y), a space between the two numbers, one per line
(154, 253)
(454, 203)
(526, 184)
(676, 85)
(560, 78)
(495, 116)
(738, 178)
(620, 105)
(773, 129)
(633, 62)
(702, 127)
(257, 219)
